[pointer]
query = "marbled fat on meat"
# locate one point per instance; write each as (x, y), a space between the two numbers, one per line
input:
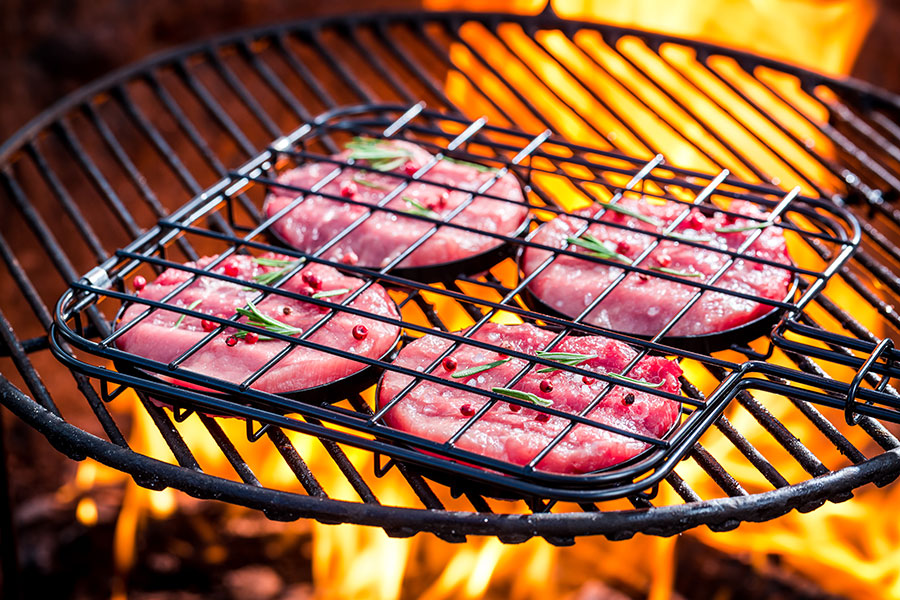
(383, 236)
(156, 336)
(435, 412)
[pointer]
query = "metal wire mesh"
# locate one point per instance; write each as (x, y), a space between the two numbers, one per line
(117, 156)
(827, 225)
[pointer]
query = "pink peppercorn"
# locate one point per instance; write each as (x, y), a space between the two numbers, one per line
(514, 408)
(231, 269)
(360, 332)
(541, 417)
(312, 280)
(251, 338)
(207, 325)
(467, 410)
(664, 260)
(623, 247)
(230, 341)
(350, 258)
(410, 168)
(138, 282)
(546, 386)
(449, 363)
(587, 380)
(628, 399)
(348, 189)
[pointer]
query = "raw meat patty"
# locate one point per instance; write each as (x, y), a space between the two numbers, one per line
(156, 337)
(643, 305)
(508, 433)
(384, 236)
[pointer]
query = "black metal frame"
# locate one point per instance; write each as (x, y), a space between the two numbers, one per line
(404, 55)
(827, 224)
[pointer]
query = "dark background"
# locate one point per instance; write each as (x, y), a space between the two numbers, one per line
(51, 47)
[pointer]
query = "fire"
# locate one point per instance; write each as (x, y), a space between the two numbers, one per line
(849, 548)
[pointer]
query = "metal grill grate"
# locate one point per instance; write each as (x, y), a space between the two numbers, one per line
(824, 224)
(119, 155)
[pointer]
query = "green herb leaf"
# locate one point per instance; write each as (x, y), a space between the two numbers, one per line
(479, 369)
(465, 163)
(690, 238)
(416, 208)
(676, 272)
(739, 228)
(598, 248)
(567, 358)
(254, 317)
(630, 212)
(191, 306)
(358, 179)
(270, 277)
(520, 395)
(382, 155)
(330, 293)
(632, 380)
(274, 262)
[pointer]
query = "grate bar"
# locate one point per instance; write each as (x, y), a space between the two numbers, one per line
(104, 190)
(90, 237)
(296, 463)
(240, 466)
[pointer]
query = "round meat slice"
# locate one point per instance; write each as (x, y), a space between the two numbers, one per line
(642, 304)
(383, 236)
(514, 434)
(234, 355)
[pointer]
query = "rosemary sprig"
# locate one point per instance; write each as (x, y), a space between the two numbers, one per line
(739, 228)
(669, 271)
(520, 395)
(254, 317)
(598, 248)
(632, 380)
(382, 156)
(465, 163)
(417, 208)
(690, 238)
(567, 358)
(479, 368)
(273, 262)
(329, 293)
(358, 179)
(270, 277)
(630, 212)
(191, 306)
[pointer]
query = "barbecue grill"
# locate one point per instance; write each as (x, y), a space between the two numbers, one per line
(137, 160)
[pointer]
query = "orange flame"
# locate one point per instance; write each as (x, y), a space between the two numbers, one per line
(851, 548)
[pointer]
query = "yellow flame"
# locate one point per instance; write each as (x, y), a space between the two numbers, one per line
(86, 512)
(852, 548)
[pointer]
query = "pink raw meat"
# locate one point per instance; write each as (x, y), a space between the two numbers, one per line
(157, 338)
(383, 236)
(510, 433)
(643, 305)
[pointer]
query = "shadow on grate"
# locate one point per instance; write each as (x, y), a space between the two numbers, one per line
(453, 301)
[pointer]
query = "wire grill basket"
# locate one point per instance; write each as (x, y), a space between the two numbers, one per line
(225, 219)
